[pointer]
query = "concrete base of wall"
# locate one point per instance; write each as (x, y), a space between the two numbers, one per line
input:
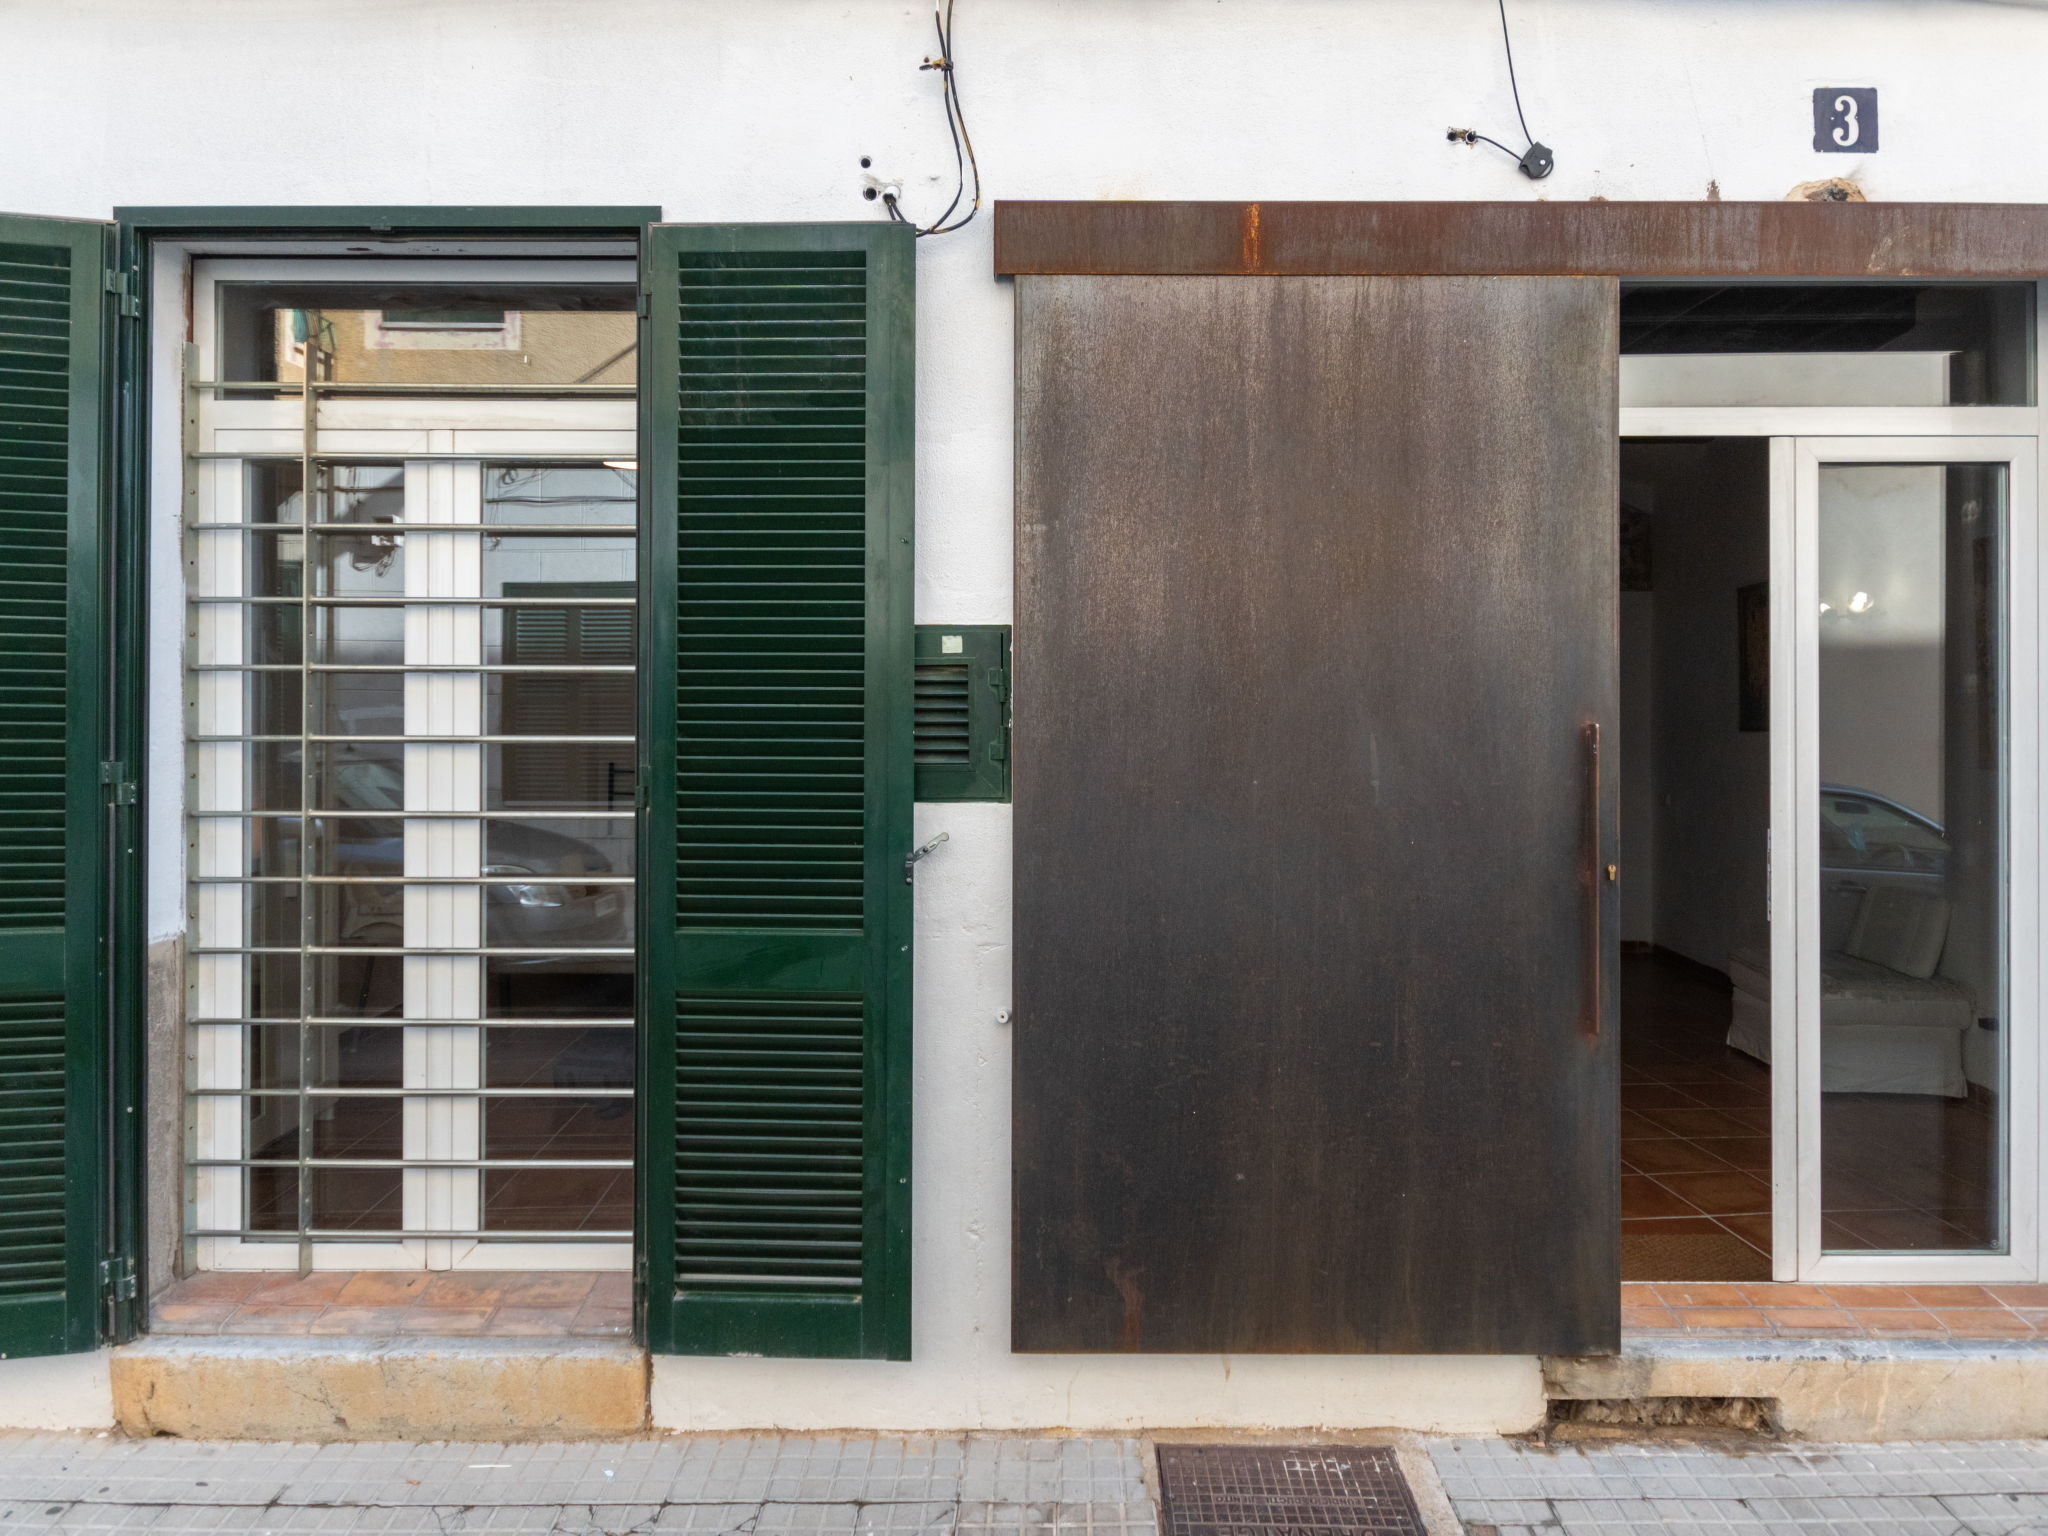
(278, 1389)
(1836, 1390)
(1433, 1394)
(56, 1392)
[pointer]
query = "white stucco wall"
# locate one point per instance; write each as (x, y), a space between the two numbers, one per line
(761, 110)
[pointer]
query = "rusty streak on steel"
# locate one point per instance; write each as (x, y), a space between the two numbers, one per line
(1606, 239)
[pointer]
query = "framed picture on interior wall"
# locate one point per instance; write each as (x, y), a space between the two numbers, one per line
(1753, 656)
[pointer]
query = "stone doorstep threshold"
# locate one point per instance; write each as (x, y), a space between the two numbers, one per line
(380, 1389)
(1832, 1388)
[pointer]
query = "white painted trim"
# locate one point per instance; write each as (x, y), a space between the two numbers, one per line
(1784, 868)
(1830, 421)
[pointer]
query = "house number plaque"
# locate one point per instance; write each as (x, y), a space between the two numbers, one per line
(1845, 120)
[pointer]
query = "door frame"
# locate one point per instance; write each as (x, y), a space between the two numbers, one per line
(1799, 438)
(1795, 779)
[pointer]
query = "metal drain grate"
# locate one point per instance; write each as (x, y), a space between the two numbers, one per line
(1284, 1490)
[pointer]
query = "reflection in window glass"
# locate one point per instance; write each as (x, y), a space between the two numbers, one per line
(1912, 856)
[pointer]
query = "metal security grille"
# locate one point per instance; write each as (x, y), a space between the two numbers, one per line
(1294, 1490)
(35, 428)
(414, 776)
(771, 726)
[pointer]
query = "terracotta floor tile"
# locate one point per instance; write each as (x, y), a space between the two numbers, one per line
(1705, 1295)
(1726, 1193)
(614, 1288)
(1639, 1293)
(1755, 1118)
(541, 1289)
(1752, 1154)
(2020, 1295)
(1640, 1127)
(530, 1322)
(1811, 1319)
(1876, 1297)
(1676, 1226)
(360, 1322)
(1697, 1123)
(1982, 1323)
(190, 1316)
(1712, 1318)
(1648, 1317)
(1670, 1154)
(383, 1288)
(1899, 1323)
(273, 1320)
(1777, 1293)
(603, 1322)
(294, 1290)
(437, 1320)
(1726, 1095)
(216, 1285)
(465, 1290)
(1648, 1096)
(1753, 1228)
(1644, 1196)
(1943, 1296)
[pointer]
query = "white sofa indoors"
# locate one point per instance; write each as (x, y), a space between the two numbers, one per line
(1889, 1024)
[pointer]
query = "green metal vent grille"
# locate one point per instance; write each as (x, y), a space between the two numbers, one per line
(769, 1110)
(771, 613)
(944, 735)
(35, 427)
(32, 1181)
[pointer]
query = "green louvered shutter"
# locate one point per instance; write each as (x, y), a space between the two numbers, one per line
(776, 712)
(53, 329)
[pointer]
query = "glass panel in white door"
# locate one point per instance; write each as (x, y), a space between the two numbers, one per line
(1914, 1010)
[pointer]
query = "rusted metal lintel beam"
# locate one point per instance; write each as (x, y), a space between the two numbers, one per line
(1617, 239)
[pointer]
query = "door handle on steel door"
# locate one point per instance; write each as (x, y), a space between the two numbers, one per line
(1590, 877)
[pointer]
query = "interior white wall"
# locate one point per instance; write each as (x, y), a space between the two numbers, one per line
(1883, 531)
(1710, 536)
(1638, 738)
(761, 111)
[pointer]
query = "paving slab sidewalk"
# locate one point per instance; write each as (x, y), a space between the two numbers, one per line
(1762, 1488)
(981, 1485)
(755, 1485)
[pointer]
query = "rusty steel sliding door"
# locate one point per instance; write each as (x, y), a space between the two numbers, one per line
(1315, 954)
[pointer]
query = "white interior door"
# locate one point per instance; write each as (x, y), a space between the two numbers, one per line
(1905, 858)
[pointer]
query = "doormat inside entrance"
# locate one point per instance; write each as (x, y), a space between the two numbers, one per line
(1292, 1490)
(1690, 1256)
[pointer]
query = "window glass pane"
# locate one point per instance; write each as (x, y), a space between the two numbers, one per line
(1826, 344)
(386, 333)
(1912, 856)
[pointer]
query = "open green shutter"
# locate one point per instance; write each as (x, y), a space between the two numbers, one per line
(776, 711)
(53, 334)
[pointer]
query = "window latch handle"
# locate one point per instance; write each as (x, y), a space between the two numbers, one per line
(910, 859)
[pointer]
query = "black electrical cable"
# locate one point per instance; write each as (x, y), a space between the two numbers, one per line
(1535, 162)
(956, 125)
(1508, 44)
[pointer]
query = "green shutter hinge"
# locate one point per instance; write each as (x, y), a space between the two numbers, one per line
(117, 1279)
(120, 788)
(643, 309)
(127, 294)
